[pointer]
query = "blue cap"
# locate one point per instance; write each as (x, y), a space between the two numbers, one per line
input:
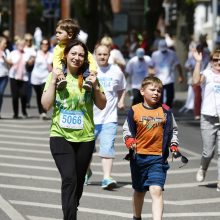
(162, 45)
(140, 52)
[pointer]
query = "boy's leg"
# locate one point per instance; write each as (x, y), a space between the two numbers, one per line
(61, 79)
(157, 202)
(138, 200)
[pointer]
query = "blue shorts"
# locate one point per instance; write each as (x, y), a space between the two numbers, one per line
(148, 170)
(106, 133)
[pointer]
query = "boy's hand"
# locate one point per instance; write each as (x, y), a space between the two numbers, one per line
(130, 142)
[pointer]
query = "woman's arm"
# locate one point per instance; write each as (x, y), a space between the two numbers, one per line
(196, 72)
(48, 96)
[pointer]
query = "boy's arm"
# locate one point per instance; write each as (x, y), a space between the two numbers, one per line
(57, 57)
(174, 139)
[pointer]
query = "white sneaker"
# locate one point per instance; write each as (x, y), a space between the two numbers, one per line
(218, 186)
(200, 176)
(43, 116)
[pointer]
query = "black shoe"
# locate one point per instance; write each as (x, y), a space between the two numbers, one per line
(15, 117)
(87, 86)
(60, 85)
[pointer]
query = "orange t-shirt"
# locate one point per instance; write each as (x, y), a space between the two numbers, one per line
(150, 127)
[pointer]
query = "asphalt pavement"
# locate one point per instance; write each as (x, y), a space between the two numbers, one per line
(30, 182)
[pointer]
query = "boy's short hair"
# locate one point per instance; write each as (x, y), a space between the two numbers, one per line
(149, 80)
(69, 25)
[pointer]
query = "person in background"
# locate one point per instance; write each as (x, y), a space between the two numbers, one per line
(53, 43)
(116, 57)
(137, 69)
(190, 65)
(113, 82)
(18, 75)
(6, 33)
(165, 63)
(134, 43)
(72, 129)
(149, 132)
(30, 52)
(4, 68)
(41, 70)
(37, 37)
(209, 79)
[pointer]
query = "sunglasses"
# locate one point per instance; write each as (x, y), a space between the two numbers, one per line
(215, 60)
(184, 160)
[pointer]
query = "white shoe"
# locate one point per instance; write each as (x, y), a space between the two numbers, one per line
(218, 186)
(43, 116)
(200, 176)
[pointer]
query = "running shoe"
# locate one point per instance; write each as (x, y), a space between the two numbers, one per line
(109, 183)
(218, 186)
(200, 176)
(88, 176)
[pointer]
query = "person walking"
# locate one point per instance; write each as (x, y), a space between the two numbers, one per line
(137, 69)
(209, 79)
(30, 52)
(4, 68)
(18, 75)
(166, 63)
(72, 129)
(113, 81)
(149, 132)
(40, 72)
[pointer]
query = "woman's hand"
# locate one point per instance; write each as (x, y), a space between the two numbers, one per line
(197, 56)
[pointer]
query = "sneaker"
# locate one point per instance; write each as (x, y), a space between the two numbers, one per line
(200, 176)
(109, 183)
(218, 186)
(88, 176)
(43, 116)
(87, 86)
(61, 84)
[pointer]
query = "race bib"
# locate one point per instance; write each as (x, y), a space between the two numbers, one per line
(71, 119)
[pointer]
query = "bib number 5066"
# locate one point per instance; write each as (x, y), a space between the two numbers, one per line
(71, 120)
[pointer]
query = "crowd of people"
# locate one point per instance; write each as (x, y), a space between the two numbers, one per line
(86, 89)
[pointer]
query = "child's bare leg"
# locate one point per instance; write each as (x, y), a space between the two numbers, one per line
(138, 200)
(157, 202)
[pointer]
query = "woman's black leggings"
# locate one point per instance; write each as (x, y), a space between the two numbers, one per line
(72, 160)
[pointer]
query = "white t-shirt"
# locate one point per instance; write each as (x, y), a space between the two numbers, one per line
(14, 57)
(165, 64)
(40, 71)
(3, 65)
(112, 80)
(138, 70)
(116, 55)
(210, 93)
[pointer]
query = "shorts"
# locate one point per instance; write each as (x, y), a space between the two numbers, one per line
(148, 170)
(106, 133)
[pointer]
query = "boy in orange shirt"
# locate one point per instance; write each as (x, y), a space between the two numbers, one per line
(149, 132)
